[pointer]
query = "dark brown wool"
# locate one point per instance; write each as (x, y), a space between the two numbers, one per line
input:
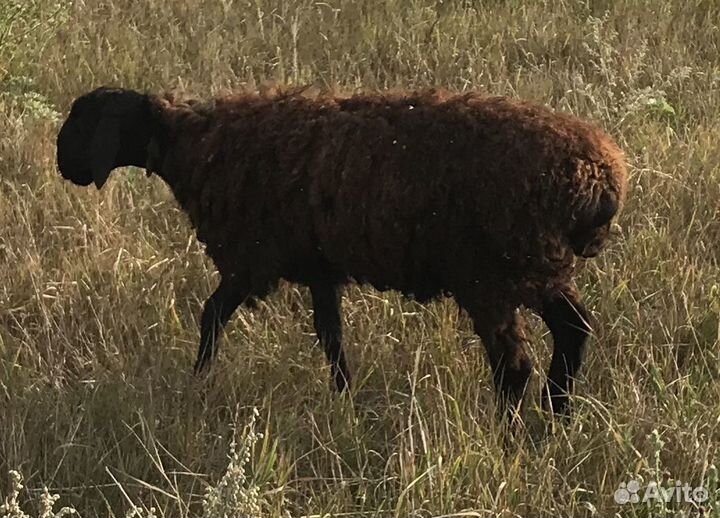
(485, 198)
(423, 193)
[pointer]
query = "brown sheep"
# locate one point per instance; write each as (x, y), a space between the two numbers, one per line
(486, 199)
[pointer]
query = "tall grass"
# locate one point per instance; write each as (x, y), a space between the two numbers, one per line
(100, 291)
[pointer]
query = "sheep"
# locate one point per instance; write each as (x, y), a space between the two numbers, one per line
(485, 199)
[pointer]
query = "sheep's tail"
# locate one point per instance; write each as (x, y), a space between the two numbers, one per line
(593, 214)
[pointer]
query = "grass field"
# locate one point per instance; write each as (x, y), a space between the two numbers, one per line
(100, 291)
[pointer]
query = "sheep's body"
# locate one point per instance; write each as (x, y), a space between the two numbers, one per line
(484, 198)
(421, 194)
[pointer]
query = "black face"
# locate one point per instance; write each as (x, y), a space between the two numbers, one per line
(106, 128)
(74, 139)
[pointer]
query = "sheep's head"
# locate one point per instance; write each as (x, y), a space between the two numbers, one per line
(106, 128)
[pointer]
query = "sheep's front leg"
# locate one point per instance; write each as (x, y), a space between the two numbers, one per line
(217, 311)
(504, 337)
(328, 326)
(569, 323)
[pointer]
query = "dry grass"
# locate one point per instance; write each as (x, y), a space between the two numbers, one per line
(100, 292)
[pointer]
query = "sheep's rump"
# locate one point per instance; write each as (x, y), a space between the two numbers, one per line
(423, 193)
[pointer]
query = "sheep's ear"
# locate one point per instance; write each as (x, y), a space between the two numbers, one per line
(104, 148)
(154, 160)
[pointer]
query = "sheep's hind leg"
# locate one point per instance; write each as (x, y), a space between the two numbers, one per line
(569, 323)
(217, 311)
(505, 341)
(328, 326)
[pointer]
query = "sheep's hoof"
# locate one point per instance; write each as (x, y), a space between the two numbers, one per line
(340, 384)
(202, 366)
(558, 404)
